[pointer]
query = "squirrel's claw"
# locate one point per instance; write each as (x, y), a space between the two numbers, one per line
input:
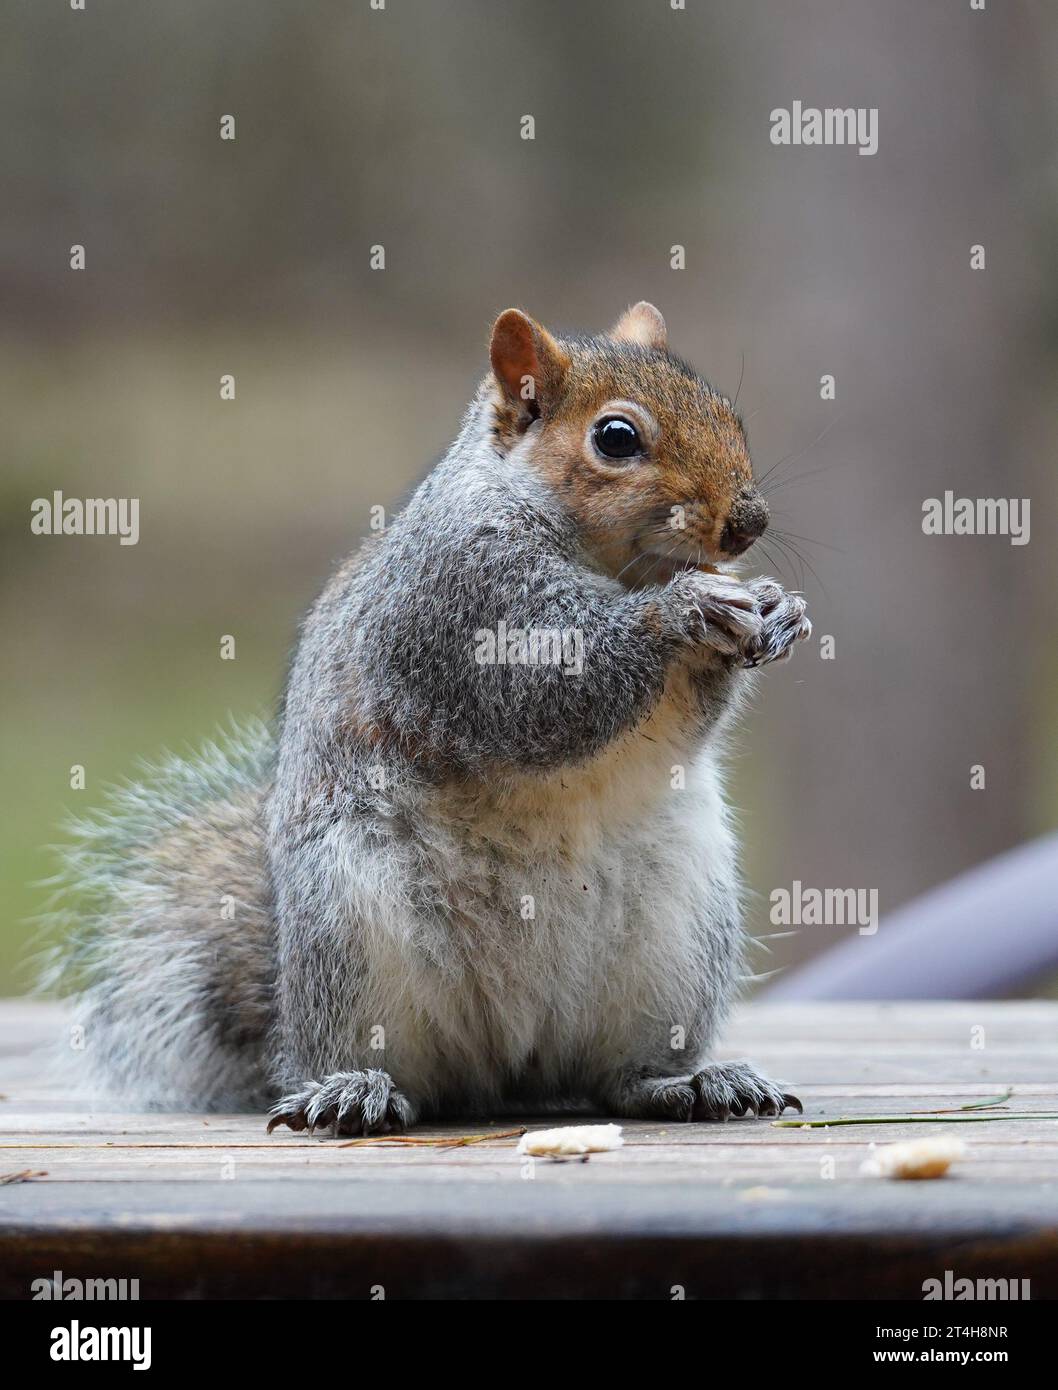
(727, 1090)
(783, 622)
(345, 1103)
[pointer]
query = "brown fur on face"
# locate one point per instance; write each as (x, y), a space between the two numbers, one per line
(669, 506)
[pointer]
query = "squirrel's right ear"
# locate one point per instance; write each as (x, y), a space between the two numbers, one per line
(528, 365)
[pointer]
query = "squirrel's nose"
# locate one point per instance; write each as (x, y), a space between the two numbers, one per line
(747, 519)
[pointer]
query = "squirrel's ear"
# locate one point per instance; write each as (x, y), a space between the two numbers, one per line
(527, 363)
(642, 324)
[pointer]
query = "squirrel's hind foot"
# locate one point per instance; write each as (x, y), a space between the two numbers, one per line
(720, 1091)
(730, 1090)
(346, 1103)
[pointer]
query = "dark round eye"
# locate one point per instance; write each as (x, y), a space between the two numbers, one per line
(615, 438)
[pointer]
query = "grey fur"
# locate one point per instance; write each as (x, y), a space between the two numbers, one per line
(172, 1001)
(382, 964)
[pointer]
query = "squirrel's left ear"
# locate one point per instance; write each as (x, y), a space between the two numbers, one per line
(528, 365)
(642, 324)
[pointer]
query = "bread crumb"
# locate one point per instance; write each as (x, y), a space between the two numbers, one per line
(915, 1158)
(571, 1141)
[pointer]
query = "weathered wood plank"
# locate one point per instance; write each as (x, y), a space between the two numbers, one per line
(544, 1238)
(196, 1204)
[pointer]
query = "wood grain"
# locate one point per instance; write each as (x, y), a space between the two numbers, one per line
(197, 1205)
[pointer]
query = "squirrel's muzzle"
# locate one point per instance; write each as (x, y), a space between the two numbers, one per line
(747, 519)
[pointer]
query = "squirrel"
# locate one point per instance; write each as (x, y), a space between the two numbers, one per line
(464, 876)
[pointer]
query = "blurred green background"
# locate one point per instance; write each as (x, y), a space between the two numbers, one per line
(400, 127)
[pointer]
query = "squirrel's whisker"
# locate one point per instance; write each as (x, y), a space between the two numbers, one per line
(799, 453)
(783, 539)
(738, 388)
(803, 477)
(807, 540)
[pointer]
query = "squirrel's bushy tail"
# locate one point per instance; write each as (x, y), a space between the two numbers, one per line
(168, 956)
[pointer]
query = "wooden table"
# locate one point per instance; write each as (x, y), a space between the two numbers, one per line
(209, 1206)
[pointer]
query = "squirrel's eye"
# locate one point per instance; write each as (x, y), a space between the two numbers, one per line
(615, 438)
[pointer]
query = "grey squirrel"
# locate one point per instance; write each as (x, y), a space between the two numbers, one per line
(486, 864)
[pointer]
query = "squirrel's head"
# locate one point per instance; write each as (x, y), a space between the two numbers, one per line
(650, 459)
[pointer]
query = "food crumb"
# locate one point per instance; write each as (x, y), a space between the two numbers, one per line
(571, 1141)
(915, 1158)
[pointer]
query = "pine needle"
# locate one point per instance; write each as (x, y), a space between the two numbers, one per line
(442, 1141)
(917, 1118)
(953, 1115)
(991, 1102)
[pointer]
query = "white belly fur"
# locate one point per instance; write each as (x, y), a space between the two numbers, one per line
(567, 914)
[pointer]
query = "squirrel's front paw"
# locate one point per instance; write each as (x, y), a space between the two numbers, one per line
(346, 1102)
(716, 612)
(783, 623)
